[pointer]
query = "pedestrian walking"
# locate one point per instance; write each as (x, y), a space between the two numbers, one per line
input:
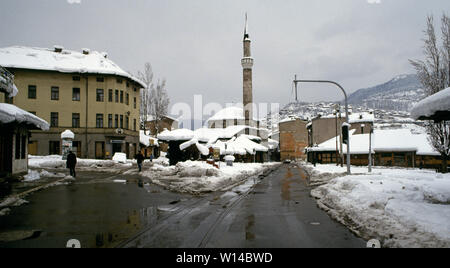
(71, 163)
(140, 159)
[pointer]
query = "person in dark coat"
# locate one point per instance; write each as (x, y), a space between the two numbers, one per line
(71, 163)
(140, 159)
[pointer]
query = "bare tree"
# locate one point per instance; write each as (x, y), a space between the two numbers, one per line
(159, 104)
(147, 77)
(434, 75)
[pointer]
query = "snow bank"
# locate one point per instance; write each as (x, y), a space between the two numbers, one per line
(10, 113)
(199, 177)
(120, 158)
(34, 175)
(56, 162)
(399, 207)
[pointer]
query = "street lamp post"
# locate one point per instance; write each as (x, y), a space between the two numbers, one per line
(346, 111)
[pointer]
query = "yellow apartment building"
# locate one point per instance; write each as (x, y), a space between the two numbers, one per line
(84, 92)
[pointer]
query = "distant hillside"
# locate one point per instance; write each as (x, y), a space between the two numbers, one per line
(399, 94)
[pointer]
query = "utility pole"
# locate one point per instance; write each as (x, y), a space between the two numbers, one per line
(346, 112)
(370, 147)
(296, 92)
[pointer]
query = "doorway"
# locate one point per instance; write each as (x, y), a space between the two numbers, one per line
(100, 150)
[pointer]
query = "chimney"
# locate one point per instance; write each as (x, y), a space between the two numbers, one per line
(86, 51)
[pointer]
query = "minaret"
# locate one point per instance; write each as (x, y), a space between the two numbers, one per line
(247, 65)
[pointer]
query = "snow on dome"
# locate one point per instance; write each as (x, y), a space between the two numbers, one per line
(428, 107)
(67, 135)
(65, 61)
(10, 113)
(230, 113)
(176, 135)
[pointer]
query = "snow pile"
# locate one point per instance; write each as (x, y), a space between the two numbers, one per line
(199, 177)
(11, 113)
(34, 175)
(65, 61)
(399, 207)
(120, 158)
(439, 102)
(67, 135)
(56, 162)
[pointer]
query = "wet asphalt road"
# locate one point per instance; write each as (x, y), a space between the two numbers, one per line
(277, 213)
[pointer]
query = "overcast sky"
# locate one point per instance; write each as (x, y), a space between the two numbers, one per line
(197, 44)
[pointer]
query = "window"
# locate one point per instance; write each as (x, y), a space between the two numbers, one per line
(18, 146)
(117, 95)
(127, 122)
(100, 79)
(110, 95)
(55, 93)
(127, 99)
(99, 121)
(76, 78)
(235, 122)
(100, 96)
(23, 150)
(128, 84)
(76, 147)
(32, 92)
(9, 100)
(121, 121)
(110, 121)
(53, 147)
(224, 124)
(121, 96)
(53, 119)
(75, 94)
(75, 120)
(116, 121)
(134, 102)
(119, 81)
(134, 124)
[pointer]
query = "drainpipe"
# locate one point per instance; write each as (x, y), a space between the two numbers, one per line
(87, 113)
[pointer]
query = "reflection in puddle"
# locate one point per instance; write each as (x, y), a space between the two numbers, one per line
(286, 185)
(135, 221)
(249, 235)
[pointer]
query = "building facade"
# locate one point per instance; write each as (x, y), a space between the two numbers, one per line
(293, 139)
(102, 109)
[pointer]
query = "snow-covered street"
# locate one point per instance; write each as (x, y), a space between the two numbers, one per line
(399, 207)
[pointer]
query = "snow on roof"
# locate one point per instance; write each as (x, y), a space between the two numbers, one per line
(145, 139)
(6, 84)
(65, 61)
(67, 135)
(10, 113)
(354, 118)
(389, 140)
(201, 148)
(230, 113)
(176, 135)
(428, 107)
